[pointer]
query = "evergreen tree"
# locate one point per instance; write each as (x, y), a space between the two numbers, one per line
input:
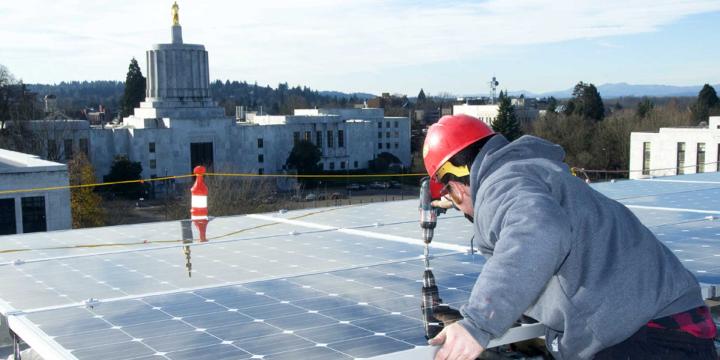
(134, 89)
(421, 98)
(586, 102)
(122, 169)
(85, 204)
(645, 107)
(707, 101)
(305, 158)
(552, 104)
(506, 123)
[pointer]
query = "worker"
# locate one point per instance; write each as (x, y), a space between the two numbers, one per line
(561, 253)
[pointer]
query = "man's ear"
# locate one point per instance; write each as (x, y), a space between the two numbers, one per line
(459, 191)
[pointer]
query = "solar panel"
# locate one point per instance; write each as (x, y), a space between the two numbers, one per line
(327, 283)
(359, 312)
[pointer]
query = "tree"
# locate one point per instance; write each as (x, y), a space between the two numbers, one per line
(304, 157)
(506, 123)
(552, 104)
(586, 102)
(383, 162)
(134, 89)
(707, 102)
(644, 107)
(123, 169)
(421, 98)
(85, 204)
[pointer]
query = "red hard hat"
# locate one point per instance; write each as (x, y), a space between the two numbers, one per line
(450, 135)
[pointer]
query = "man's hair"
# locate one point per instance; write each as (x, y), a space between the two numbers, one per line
(465, 157)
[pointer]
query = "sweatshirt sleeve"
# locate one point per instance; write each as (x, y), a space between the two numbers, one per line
(532, 236)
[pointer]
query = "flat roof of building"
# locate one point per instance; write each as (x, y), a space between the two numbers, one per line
(15, 162)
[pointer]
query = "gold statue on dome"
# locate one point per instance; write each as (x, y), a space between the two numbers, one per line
(176, 14)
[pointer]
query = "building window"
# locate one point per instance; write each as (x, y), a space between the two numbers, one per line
(355, 164)
(341, 138)
(33, 214)
(68, 148)
(646, 158)
(7, 217)
(396, 123)
(332, 165)
(261, 158)
(153, 163)
(296, 137)
(379, 134)
(680, 168)
(260, 143)
(387, 134)
(380, 125)
(318, 139)
(387, 124)
(387, 146)
(700, 164)
(261, 171)
(307, 136)
(342, 165)
(151, 147)
(397, 145)
(84, 148)
(397, 134)
(330, 139)
(379, 145)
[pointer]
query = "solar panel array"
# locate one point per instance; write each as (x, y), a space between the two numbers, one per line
(327, 283)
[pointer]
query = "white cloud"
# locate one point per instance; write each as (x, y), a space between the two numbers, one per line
(298, 41)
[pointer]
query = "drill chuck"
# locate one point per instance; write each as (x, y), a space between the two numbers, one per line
(430, 300)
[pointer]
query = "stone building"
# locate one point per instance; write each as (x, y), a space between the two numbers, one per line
(178, 126)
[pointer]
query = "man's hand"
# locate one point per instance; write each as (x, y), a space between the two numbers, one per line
(443, 203)
(446, 314)
(457, 344)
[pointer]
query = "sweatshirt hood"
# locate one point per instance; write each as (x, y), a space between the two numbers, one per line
(499, 151)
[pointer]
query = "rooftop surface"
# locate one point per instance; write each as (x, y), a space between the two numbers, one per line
(319, 283)
(13, 161)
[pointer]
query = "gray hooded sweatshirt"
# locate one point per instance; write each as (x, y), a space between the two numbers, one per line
(562, 253)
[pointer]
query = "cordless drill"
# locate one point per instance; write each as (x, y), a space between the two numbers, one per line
(429, 191)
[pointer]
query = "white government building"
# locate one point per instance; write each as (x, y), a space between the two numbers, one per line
(488, 113)
(676, 151)
(178, 126)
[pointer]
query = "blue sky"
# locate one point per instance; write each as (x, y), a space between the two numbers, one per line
(377, 45)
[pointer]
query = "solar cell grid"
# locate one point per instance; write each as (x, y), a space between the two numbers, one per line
(266, 318)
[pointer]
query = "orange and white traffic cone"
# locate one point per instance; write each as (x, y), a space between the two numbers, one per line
(198, 203)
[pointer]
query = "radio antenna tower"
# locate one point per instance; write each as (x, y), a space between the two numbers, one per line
(493, 88)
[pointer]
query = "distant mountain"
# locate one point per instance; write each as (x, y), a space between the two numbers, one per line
(609, 91)
(342, 95)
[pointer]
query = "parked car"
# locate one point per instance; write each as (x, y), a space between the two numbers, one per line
(395, 184)
(337, 196)
(310, 197)
(356, 186)
(379, 185)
